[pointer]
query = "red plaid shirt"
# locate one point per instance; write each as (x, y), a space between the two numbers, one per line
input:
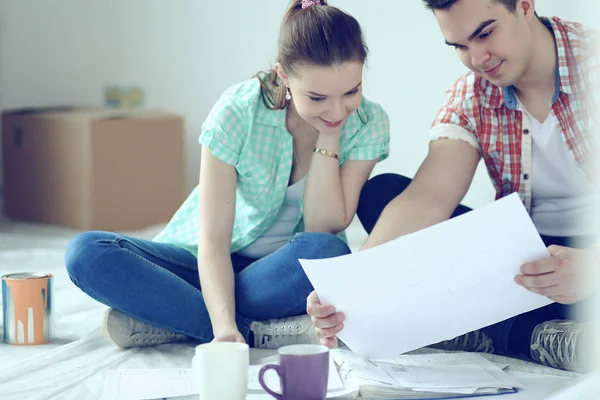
(491, 119)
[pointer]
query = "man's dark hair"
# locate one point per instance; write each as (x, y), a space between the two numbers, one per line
(433, 5)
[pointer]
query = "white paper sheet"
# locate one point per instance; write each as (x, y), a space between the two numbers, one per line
(447, 371)
(145, 384)
(434, 284)
(442, 373)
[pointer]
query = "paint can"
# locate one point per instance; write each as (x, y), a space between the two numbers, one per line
(27, 308)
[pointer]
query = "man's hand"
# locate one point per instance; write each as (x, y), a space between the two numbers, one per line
(327, 321)
(558, 277)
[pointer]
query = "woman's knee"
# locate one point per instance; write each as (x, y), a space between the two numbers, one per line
(322, 245)
(84, 250)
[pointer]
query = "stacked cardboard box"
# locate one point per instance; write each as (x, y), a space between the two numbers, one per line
(93, 168)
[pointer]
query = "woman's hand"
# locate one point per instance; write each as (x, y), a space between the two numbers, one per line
(229, 335)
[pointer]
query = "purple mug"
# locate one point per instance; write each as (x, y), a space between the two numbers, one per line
(303, 372)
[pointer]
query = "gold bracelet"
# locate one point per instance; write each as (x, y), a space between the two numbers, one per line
(326, 153)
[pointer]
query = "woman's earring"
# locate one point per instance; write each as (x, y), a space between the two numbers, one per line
(288, 96)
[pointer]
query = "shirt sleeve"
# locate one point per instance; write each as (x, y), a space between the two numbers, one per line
(452, 121)
(223, 130)
(453, 131)
(373, 138)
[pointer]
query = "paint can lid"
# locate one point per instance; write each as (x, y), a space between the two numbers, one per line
(26, 275)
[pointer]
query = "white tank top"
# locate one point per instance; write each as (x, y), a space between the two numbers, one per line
(282, 229)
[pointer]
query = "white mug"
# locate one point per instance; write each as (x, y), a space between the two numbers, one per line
(221, 370)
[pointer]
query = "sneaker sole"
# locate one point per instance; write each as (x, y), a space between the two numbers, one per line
(104, 327)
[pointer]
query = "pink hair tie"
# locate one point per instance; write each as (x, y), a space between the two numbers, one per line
(308, 3)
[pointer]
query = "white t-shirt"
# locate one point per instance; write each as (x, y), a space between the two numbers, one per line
(282, 229)
(563, 199)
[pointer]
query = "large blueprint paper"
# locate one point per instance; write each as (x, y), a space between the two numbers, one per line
(434, 284)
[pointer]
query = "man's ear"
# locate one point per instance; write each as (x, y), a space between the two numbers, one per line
(527, 8)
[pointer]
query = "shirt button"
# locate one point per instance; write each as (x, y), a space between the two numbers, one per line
(248, 174)
(526, 131)
(526, 176)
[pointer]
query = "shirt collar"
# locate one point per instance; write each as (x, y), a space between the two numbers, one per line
(270, 117)
(567, 72)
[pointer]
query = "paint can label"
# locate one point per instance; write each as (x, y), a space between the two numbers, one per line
(27, 308)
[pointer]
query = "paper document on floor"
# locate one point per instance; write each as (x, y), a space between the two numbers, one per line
(425, 376)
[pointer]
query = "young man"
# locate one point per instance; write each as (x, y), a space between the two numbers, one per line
(527, 107)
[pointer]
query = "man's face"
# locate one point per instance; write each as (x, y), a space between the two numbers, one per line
(490, 40)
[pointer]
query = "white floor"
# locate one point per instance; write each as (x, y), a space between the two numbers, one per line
(73, 366)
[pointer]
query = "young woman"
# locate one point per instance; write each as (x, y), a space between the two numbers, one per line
(284, 158)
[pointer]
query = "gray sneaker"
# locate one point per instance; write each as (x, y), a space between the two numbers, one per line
(126, 332)
(476, 341)
(557, 343)
(275, 333)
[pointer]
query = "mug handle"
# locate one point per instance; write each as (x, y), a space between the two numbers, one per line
(261, 379)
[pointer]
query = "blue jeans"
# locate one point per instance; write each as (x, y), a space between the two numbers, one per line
(158, 283)
(511, 336)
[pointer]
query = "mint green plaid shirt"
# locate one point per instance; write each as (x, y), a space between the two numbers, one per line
(244, 133)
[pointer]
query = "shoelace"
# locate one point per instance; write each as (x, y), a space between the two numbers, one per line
(478, 338)
(556, 347)
(149, 333)
(278, 335)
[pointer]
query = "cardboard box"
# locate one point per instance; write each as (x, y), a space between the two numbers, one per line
(93, 169)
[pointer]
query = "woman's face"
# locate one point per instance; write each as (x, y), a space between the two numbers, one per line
(325, 96)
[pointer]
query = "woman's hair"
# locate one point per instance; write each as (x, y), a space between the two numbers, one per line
(318, 34)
